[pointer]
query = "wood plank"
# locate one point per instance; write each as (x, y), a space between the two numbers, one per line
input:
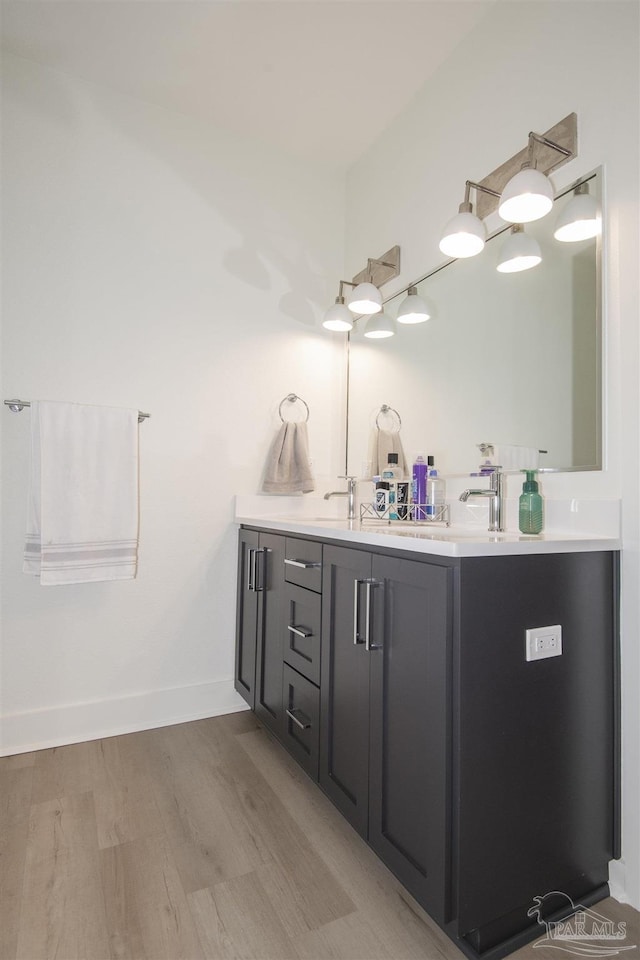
(236, 919)
(62, 771)
(146, 907)
(62, 910)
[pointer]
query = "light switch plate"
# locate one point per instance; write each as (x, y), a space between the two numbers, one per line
(543, 642)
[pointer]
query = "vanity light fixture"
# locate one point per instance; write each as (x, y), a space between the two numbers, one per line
(529, 195)
(379, 326)
(413, 309)
(465, 234)
(580, 219)
(338, 317)
(519, 251)
(365, 298)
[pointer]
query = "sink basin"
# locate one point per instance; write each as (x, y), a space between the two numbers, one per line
(449, 534)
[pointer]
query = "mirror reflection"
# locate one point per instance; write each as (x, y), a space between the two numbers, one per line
(505, 358)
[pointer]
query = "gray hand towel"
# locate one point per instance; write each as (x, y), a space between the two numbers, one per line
(288, 469)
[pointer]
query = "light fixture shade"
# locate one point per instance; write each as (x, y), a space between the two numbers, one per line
(580, 219)
(379, 326)
(519, 252)
(338, 317)
(413, 309)
(527, 196)
(365, 299)
(463, 236)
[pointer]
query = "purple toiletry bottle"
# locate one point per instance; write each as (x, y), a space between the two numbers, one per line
(419, 488)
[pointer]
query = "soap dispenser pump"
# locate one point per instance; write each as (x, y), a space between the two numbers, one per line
(530, 518)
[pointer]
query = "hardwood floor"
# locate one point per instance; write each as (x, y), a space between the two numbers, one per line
(203, 840)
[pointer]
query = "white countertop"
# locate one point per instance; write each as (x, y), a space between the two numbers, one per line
(454, 541)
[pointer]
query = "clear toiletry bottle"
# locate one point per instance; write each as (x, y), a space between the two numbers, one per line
(419, 489)
(391, 474)
(435, 492)
(530, 513)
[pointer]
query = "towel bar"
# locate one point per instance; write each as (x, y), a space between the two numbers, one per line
(291, 398)
(16, 406)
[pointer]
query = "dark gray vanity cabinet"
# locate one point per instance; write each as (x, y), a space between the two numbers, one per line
(260, 612)
(384, 709)
(481, 777)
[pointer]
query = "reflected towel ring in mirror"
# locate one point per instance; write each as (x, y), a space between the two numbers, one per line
(384, 409)
(292, 398)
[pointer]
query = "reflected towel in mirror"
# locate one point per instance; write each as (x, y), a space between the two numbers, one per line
(384, 442)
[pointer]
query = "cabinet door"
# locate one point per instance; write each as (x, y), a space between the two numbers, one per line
(344, 720)
(247, 616)
(410, 703)
(270, 587)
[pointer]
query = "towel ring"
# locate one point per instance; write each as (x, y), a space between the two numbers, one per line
(385, 408)
(291, 398)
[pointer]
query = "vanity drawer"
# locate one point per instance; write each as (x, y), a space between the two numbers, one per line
(302, 631)
(303, 563)
(302, 716)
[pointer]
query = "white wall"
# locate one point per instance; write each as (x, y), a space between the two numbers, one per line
(524, 67)
(154, 263)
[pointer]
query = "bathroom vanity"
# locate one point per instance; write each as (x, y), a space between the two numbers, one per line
(392, 664)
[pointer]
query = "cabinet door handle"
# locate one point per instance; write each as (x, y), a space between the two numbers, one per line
(369, 584)
(300, 632)
(258, 587)
(304, 564)
(356, 610)
(303, 724)
(251, 569)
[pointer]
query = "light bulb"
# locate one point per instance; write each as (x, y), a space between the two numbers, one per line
(365, 299)
(580, 219)
(527, 196)
(519, 252)
(413, 309)
(338, 317)
(379, 326)
(464, 235)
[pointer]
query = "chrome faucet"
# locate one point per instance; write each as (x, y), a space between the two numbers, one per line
(496, 492)
(350, 492)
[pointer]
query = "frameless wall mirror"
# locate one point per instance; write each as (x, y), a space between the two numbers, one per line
(506, 358)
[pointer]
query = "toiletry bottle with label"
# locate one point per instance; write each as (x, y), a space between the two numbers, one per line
(435, 491)
(391, 474)
(382, 498)
(530, 513)
(419, 489)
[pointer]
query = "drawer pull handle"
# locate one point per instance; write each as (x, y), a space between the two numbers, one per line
(303, 724)
(304, 564)
(300, 631)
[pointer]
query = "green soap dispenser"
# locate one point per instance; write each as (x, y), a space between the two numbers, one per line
(530, 512)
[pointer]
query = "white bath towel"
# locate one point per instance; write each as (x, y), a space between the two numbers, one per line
(82, 516)
(288, 469)
(515, 457)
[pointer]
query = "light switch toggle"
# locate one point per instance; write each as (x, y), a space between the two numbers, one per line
(543, 642)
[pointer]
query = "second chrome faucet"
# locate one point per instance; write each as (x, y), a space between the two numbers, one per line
(495, 494)
(350, 493)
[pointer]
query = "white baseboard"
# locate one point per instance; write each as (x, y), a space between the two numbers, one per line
(77, 722)
(618, 881)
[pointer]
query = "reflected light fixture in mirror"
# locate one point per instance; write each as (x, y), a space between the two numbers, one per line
(580, 219)
(519, 251)
(379, 327)
(413, 309)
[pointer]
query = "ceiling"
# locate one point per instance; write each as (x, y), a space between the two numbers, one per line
(320, 78)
